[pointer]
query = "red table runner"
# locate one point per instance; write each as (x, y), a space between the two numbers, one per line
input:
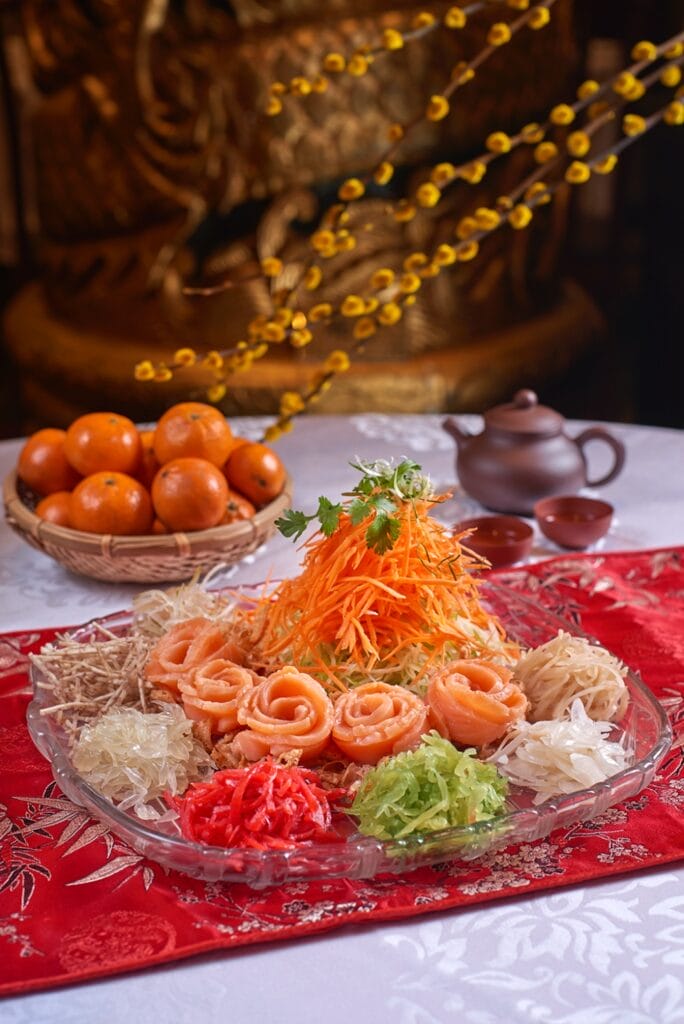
(76, 903)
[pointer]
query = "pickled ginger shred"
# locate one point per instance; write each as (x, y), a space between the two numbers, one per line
(132, 757)
(568, 668)
(554, 757)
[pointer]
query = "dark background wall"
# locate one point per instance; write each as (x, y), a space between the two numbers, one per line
(625, 248)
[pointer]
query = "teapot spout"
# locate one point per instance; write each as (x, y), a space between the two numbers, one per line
(459, 435)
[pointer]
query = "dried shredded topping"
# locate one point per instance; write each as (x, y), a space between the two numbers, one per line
(134, 758)
(268, 806)
(566, 668)
(559, 756)
(156, 611)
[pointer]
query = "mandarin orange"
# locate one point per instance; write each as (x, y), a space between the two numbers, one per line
(189, 494)
(55, 508)
(257, 472)
(102, 441)
(43, 464)
(192, 430)
(111, 502)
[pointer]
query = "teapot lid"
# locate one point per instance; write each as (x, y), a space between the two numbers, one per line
(524, 416)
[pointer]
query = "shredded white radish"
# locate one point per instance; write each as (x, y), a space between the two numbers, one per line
(156, 611)
(568, 668)
(555, 757)
(132, 757)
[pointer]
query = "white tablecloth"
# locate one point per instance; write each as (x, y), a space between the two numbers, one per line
(607, 953)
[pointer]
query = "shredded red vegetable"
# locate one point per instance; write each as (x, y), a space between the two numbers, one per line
(267, 806)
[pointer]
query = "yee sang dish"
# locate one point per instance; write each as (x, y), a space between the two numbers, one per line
(373, 691)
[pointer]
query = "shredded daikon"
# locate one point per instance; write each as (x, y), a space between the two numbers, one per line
(554, 757)
(132, 757)
(567, 668)
(156, 611)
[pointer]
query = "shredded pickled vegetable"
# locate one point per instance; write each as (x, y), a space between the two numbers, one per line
(424, 790)
(568, 668)
(268, 806)
(133, 758)
(559, 756)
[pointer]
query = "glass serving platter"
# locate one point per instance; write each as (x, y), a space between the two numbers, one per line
(645, 729)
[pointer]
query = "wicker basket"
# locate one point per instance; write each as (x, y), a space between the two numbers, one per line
(149, 559)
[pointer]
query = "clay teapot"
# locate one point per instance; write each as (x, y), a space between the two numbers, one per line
(523, 454)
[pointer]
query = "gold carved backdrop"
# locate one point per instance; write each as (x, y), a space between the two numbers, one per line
(151, 164)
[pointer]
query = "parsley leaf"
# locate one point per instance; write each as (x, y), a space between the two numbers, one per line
(382, 533)
(328, 515)
(293, 523)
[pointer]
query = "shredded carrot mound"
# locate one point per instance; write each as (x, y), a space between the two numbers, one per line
(353, 612)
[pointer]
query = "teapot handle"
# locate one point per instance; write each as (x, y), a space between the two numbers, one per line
(599, 434)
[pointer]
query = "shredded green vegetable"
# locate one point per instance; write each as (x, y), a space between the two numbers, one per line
(424, 790)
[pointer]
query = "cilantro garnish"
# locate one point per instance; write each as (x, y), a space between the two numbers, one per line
(378, 495)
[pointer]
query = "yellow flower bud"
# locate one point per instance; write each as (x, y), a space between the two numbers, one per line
(390, 313)
(382, 278)
(597, 109)
(319, 84)
(364, 328)
(532, 133)
(545, 151)
(346, 244)
(538, 193)
(518, 5)
(351, 189)
(291, 403)
(671, 76)
(185, 357)
(404, 211)
(254, 328)
(474, 172)
(674, 51)
(358, 65)
(312, 278)
(392, 40)
(636, 92)
(499, 34)
(162, 374)
(423, 20)
(466, 227)
(467, 251)
(283, 316)
(539, 17)
(274, 106)
(633, 124)
(260, 351)
(272, 433)
(624, 82)
(321, 240)
(578, 144)
(213, 360)
(334, 62)
(216, 393)
(674, 114)
(144, 371)
(562, 114)
(321, 311)
(298, 339)
(415, 261)
(395, 132)
(271, 266)
(273, 331)
(504, 204)
(442, 174)
(577, 173)
(445, 255)
(431, 270)
(300, 86)
(428, 195)
(461, 73)
(498, 142)
(606, 165)
(455, 17)
(410, 300)
(487, 219)
(277, 88)
(587, 89)
(520, 216)
(644, 51)
(371, 305)
(383, 173)
(352, 305)
(437, 108)
(337, 362)
(409, 283)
